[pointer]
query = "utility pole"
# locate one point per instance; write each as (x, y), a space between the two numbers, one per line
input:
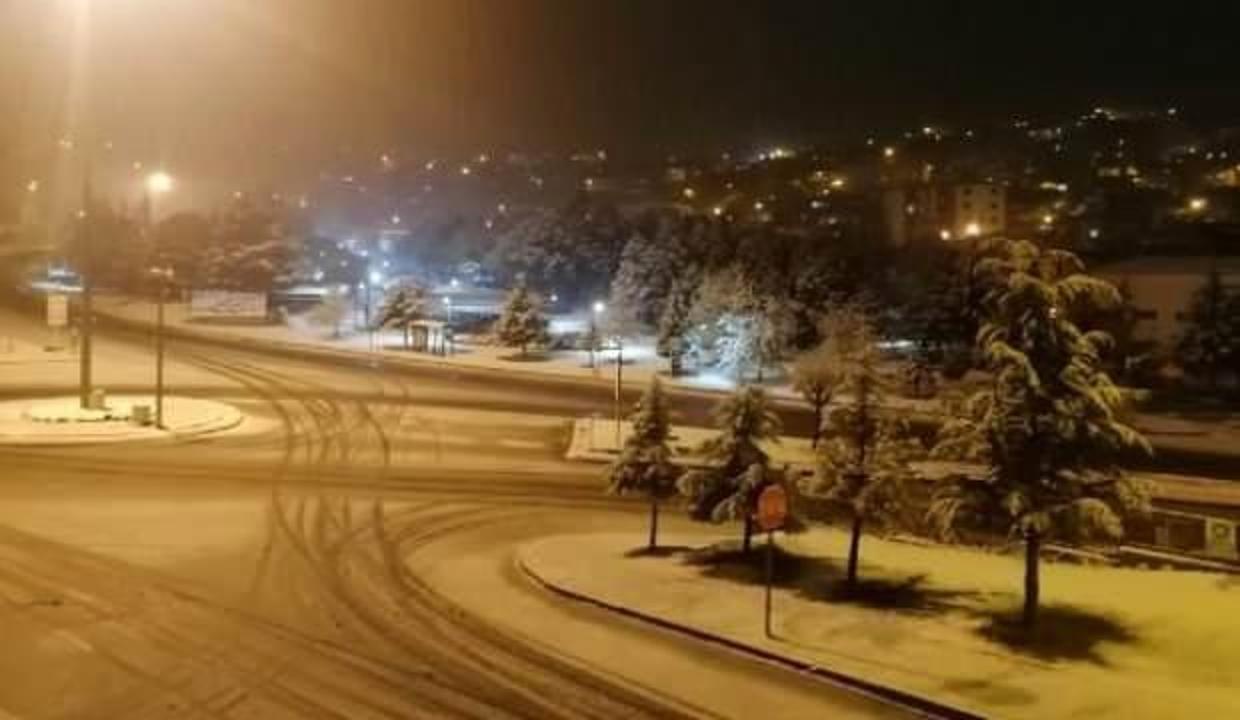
(619, 385)
(157, 184)
(87, 319)
(159, 349)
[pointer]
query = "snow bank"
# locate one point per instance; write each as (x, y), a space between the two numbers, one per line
(1114, 643)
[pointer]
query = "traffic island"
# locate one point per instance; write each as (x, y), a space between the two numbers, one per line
(929, 625)
(62, 420)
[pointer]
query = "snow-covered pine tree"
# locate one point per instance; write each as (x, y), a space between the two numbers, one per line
(1046, 430)
(521, 323)
(728, 488)
(1211, 344)
(645, 462)
(863, 463)
(674, 323)
(404, 305)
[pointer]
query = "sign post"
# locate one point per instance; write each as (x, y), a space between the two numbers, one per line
(772, 512)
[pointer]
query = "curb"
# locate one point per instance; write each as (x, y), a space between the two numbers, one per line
(918, 704)
(198, 429)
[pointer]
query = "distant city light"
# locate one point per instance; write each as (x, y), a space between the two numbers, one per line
(972, 229)
(1094, 233)
(759, 205)
(376, 277)
(455, 283)
(1197, 204)
(689, 193)
(945, 234)
(599, 307)
(716, 211)
(1048, 219)
(838, 183)
(889, 152)
(465, 170)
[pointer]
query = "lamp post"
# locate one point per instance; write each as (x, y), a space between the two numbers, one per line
(158, 183)
(619, 385)
(596, 311)
(375, 278)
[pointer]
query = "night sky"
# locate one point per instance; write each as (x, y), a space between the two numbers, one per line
(237, 86)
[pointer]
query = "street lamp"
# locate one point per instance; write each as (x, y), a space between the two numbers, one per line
(158, 183)
(596, 311)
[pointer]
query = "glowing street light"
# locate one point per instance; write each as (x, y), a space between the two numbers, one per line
(597, 310)
(1197, 204)
(972, 229)
(159, 183)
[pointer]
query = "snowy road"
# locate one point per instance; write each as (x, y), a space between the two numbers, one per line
(350, 563)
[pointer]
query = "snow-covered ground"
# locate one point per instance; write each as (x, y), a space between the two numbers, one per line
(595, 439)
(640, 364)
(1114, 643)
(640, 360)
(62, 420)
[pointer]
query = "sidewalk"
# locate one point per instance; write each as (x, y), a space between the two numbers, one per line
(930, 621)
(595, 440)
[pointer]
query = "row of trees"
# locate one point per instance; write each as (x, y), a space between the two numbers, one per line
(737, 297)
(1045, 436)
(243, 247)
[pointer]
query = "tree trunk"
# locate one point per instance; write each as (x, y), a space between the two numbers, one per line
(747, 538)
(654, 523)
(1033, 587)
(854, 550)
(817, 435)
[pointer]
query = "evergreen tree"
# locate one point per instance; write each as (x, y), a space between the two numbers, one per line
(864, 461)
(1211, 344)
(674, 324)
(657, 256)
(645, 463)
(1046, 430)
(402, 306)
(729, 487)
(521, 323)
